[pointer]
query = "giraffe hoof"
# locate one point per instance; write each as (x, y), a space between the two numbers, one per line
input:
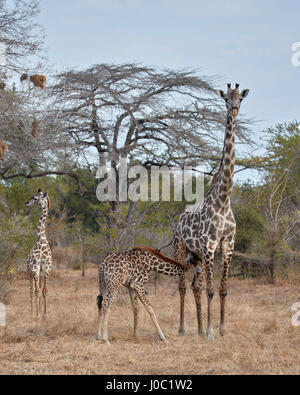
(222, 331)
(181, 332)
(210, 336)
(163, 339)
(201, 333)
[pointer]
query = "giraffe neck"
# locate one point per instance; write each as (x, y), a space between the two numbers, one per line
(225, 178)
(41, 233)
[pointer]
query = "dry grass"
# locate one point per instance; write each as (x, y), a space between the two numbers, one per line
(260, 338)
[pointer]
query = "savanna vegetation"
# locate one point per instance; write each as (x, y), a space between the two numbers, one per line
(56, 138)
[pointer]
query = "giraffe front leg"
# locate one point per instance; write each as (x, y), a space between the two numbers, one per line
(135, 309)
(197, 286)
(142, 296)
(227, 251)
(209, 261)
(182, 292)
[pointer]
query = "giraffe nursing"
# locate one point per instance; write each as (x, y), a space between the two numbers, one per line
(131, 269)
(204, 227)
(39, 260)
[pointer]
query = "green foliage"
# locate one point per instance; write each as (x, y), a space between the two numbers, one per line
(16, 239)
(249, 220)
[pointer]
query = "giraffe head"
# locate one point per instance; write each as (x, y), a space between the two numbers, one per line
(40, 198)
(233, 98)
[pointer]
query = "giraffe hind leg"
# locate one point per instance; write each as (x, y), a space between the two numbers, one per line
(104, 303)
(208, 261)
(226, 259)
(45, 292)
(107, 301)
(182, 292)
(180, 256)
(37, 293)
(197, 286)
(32, 292)
(99, 304)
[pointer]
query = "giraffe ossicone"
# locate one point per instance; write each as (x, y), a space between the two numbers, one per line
(204, 227)
(39, 261)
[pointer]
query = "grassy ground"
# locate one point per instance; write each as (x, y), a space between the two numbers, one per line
(260, 338)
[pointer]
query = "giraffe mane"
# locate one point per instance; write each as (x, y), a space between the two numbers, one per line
(218, 171)
(160, 255)
(48, 201)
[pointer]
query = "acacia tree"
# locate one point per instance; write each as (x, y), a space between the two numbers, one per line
(20, 35)
(95, 116)
(162, 117)
(21, 40)
(30, 154)
(151, 116)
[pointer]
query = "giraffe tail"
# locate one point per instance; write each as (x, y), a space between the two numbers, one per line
(99, 301)
(102, 286)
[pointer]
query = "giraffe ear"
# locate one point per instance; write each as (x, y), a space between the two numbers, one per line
(221, 94)
(244, 93)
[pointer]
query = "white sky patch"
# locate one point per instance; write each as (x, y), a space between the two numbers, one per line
(2, 55)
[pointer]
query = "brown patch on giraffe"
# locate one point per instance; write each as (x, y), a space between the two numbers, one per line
(227, 173)
(228, 149)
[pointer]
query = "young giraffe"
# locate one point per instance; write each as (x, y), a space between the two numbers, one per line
(39, 260)
(131, 269)
(204, 227)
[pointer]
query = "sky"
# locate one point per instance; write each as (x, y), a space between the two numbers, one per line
(248, 42)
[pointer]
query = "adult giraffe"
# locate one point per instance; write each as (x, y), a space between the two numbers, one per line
(205, 226)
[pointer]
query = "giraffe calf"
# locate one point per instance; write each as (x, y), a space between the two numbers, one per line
(39, 260)
(132, 269)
